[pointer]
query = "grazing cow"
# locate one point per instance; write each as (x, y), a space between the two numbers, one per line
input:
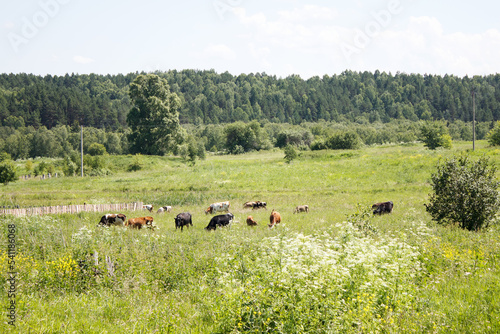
(216, 207)
(383, 207)
(259, 204)
(167, 208)
(148, 207)
(220, 220)
(248, 205)
(301, 208)
(140, 222)
(183, 219)
(251, 221)
(255, 205)
(274, 218)
(113, 219)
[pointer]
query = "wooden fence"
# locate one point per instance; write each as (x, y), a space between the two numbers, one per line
(47, 210)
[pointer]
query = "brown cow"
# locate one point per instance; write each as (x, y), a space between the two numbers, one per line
(301, 208)
(274, 218)
(248, 205)
(140, 222)
(251, 221)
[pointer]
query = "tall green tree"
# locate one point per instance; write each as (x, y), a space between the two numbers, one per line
(154, 117)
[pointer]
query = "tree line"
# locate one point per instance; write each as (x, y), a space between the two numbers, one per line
(26, 142)
(207, 97)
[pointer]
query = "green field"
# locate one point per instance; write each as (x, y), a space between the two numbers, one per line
(336, 269)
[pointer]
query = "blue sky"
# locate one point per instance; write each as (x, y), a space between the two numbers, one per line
(279, 37)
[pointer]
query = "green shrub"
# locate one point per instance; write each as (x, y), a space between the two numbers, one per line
(135, 165)
(290, 153)
(241, 137)
(69, 167)
(318, 144)
(348, 140)
(434, 135)
(7, 172)
(4, 156)
(192, 150)
(97, 149)
(40, 168)
(464, 193)
(494, 135)
(202, 155)
(28, 166)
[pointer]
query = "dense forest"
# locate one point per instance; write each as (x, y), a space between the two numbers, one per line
(42, 116)
(102, 101)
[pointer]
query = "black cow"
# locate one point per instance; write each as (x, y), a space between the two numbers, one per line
(255, 205)
(259, 204)
(220, 220)
(183, 219)
(383, 207)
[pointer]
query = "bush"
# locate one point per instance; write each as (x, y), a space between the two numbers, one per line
(202, 155)
(7, 172)
(465, 193)
(135, 165)
(297, 137)
(241, 137)
(192, 150)
(434, 135)
(69, 167)
(97, 149)
(494, 135)
(40, 168)
(290, 153)
(4, 156)
(28, 166)
(348, 140)
(318, 144)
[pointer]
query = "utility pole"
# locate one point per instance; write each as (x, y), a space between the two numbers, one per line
(81, 146)
(473, 119)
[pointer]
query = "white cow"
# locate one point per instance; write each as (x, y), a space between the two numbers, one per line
(167, 208)
(216, 207)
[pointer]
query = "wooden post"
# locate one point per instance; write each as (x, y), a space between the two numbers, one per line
(81, 145)
(473, 119)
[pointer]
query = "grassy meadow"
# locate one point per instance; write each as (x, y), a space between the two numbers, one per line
(336, 269)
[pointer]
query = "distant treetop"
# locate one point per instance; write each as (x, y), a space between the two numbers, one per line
(211, 98)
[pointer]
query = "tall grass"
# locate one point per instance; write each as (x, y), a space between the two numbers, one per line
(336, 269)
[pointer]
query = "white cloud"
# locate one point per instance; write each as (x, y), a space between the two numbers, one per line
(218, 51)
(423, 47)
(82, 60)
(284, 33)
(261, 55)
(309, 12)
(426, 24)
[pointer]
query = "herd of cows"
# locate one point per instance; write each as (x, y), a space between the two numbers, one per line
(185, 218)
